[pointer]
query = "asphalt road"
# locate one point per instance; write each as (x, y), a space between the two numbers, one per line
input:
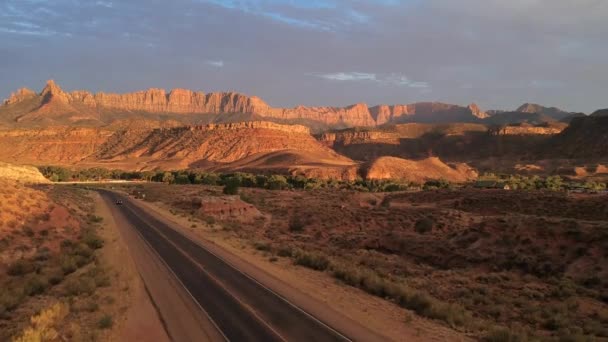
(241, 308)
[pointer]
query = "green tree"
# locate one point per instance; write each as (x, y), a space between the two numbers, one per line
(168, 177)
(182, 178)
(231, 186)
(277, 182)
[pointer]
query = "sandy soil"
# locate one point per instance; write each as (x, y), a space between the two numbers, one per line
(301, 285)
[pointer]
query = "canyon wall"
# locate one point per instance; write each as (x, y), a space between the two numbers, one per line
(183, 101)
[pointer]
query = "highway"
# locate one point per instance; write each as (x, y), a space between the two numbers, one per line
(240, 308)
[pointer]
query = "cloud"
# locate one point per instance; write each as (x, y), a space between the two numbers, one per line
(106, 4)
(348, 76)
(28, 32)
(215, 64)
(321, 15)
(393, 79)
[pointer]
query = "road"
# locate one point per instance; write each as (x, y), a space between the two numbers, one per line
(239, 307)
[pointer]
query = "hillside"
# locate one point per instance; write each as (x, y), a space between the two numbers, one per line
(24, 174)
(456, 141)
(583, 138)
(418, 171)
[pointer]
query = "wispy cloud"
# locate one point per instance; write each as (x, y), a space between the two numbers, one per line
(107, 4)
(215, 64)
(393, 79)
(322, 15)
(28, 32)
(348, 76)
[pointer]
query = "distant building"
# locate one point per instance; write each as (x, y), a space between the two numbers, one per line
(492, 184)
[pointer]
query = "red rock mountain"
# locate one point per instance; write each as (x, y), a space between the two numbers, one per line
(54, 104)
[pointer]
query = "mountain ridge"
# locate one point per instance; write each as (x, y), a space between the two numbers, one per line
(60, 107)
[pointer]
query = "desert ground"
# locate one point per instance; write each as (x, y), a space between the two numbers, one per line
(65, 274)
(444, 264)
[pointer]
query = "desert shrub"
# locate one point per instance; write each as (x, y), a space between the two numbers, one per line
(82, 285)
(56, 278)
(35, 285)
(284, 252)
(424, 225)
(68, 264)
(66, 244)
(416, 301)
(262, 246)
(296, 224)
(105, 322)
(20, 267)
(9, 300)
(92, 240)
(315, 261)
(95, 218)
(210, 220)
(44, 324)
(28, 231)
(82, 250)
(99, 276)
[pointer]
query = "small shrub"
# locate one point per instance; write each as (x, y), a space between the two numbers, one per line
(285, 252)
(210, 220)
(312, 260)
(20, 267)
(424, 225)
(28, 231)
(95, 218)
(83, 285)
(92, 240)
(263, 246)
(105, 322)
(35, 286)
(9, 300)
(56, 278)
(296, 224)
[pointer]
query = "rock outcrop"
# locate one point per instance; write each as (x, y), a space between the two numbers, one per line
(84, 105)
(552, 112)
(21, 94)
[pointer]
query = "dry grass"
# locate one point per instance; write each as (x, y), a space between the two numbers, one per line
(49, 255)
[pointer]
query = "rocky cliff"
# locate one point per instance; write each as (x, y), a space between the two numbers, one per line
(82, 105)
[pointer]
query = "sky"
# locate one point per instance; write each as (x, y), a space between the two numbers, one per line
(496, 53)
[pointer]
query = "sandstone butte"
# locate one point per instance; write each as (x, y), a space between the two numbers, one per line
(185, 101)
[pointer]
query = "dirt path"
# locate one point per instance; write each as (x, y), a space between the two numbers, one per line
(343, 307)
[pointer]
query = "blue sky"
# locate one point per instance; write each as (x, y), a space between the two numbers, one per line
(496, 53)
